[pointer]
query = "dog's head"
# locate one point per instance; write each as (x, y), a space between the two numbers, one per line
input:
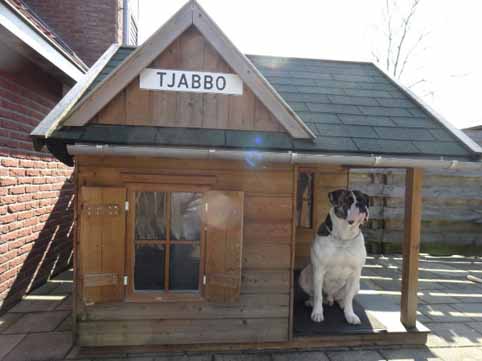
(351, 206)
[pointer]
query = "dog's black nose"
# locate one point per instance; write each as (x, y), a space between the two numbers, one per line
(351, 222)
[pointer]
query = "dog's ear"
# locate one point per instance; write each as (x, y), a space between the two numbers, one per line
(362, 197)
(335, 197)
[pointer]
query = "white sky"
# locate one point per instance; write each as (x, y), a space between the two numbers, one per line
(450, 59)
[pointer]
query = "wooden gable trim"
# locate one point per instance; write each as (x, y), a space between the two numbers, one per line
(47, 126)
(139, 59)
(190, 14)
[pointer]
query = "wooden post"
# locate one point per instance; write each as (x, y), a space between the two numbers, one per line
(411, 246)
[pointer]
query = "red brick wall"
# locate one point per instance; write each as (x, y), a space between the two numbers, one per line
(89, 27)
(36, 191)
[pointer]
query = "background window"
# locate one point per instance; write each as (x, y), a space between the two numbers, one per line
(304, 200)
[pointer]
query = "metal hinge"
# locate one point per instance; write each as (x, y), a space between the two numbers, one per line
(204, 280)
(125, 280)
(126, 206)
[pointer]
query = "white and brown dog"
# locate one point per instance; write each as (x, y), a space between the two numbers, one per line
(337, 256)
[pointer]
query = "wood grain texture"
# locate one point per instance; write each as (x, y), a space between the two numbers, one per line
(160, 331)
(411, 247)
(249, 306)
(267, 232)
(224, 246)
(102, 244)
(191, 51)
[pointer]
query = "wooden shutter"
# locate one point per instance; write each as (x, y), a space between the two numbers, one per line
(224, 244)
(102, 243)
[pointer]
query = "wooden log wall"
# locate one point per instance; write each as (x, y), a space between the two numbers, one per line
(263, 311)
(452, 209)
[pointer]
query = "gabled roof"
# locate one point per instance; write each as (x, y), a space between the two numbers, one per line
(350, 107)
(26, 26)
(189, 15)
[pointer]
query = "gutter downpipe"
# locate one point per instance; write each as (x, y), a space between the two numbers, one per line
(275, 157)
(125, 22)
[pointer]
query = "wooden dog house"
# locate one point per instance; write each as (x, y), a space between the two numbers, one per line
(201, 177)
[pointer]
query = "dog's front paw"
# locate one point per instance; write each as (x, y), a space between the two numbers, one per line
(317, 314)
(352, 319)
(309, 302)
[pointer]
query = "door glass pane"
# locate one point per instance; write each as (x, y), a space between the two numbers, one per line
(186, 216)
(149, 267)
(184, 266)
(150, 220)
(304, 200)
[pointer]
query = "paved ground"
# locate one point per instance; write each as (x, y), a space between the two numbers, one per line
(38, 328)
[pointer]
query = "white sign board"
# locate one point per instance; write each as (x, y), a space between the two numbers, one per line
(191, 81)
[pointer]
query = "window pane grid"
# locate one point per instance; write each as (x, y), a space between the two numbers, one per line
(181, 257)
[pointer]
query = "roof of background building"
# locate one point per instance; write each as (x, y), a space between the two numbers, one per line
(33, 20)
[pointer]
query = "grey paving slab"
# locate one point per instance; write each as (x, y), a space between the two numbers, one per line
(45, 289)
(457, 334)
(472, 310)
(409, 354)
(66, 324)
(459, 353)
(443, 313)
(7, 343)
(38, 322)
(38, 305)
(64, 288)
(8, 319)
(434, 297)
(66, 304)
(300, 356)
(41, 347)
(367, 355)
(476, 326)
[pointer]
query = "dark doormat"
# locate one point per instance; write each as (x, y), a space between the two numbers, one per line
(334, 320)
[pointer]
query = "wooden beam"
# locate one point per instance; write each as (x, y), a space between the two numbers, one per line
(411, 246)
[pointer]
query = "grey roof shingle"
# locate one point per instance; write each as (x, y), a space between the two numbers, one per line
(350, 107)
(357, 102)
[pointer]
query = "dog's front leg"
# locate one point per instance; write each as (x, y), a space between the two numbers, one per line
(352, 287)
(317, 313)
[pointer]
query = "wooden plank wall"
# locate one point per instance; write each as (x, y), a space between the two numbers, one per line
(452, 209)
(263, 311)
(327, 179)
(191, 51)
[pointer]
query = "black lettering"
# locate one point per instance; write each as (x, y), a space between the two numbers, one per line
(161, 77)
(183, 81)
(221, 82)
(196, 81)
(208, 82)
(173, 79)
